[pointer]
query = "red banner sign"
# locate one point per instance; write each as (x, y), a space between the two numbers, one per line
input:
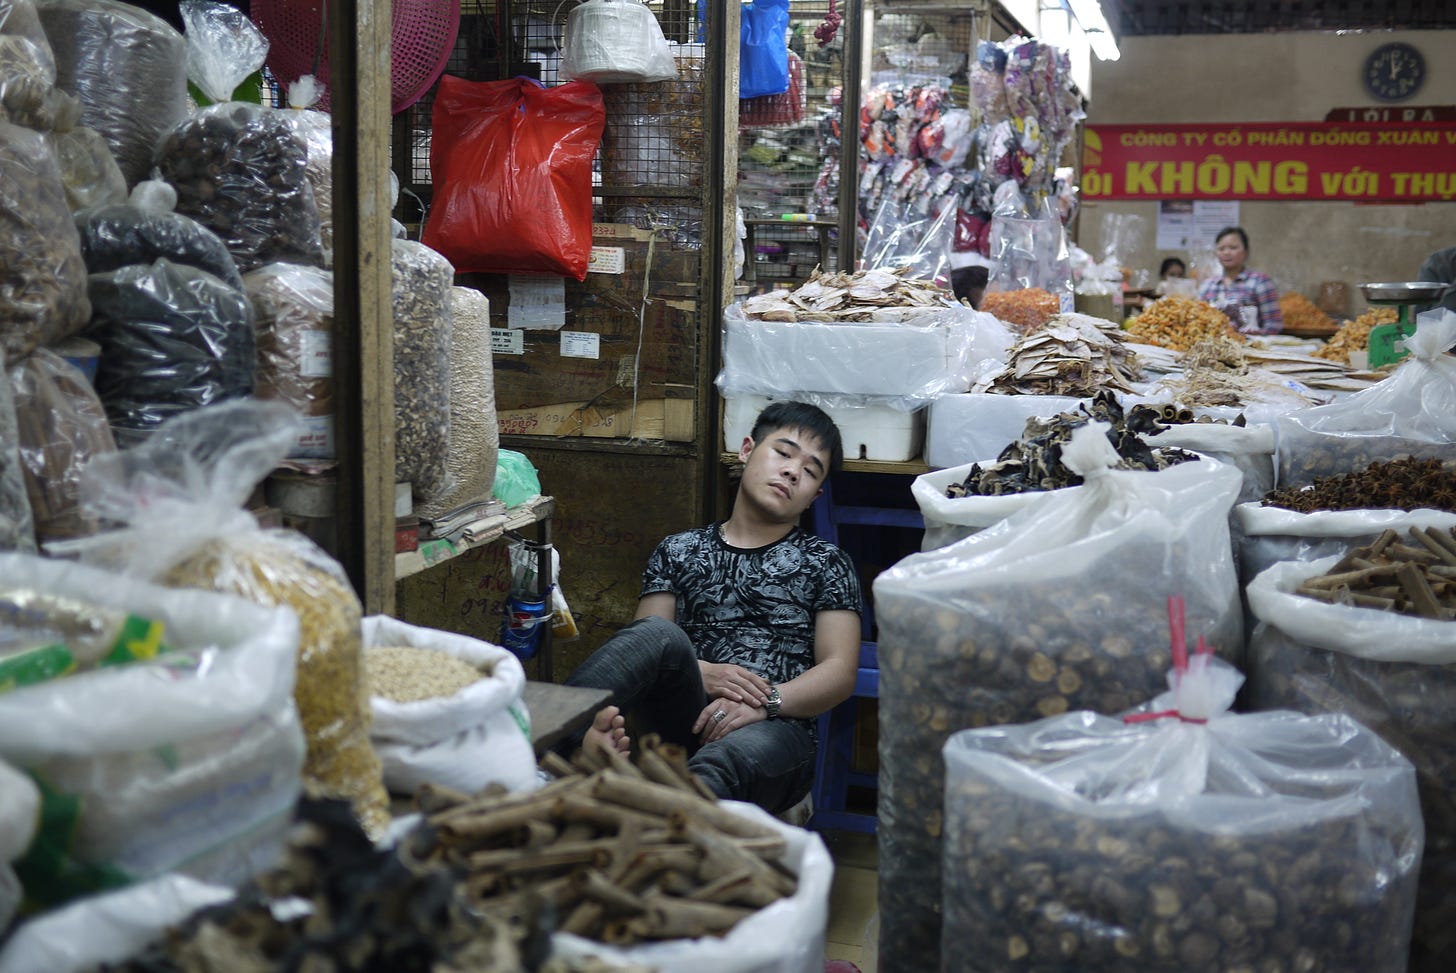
(1274, 161)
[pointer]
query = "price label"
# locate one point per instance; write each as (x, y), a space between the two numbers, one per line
(507, 341)
(607, 260)
(581, 344)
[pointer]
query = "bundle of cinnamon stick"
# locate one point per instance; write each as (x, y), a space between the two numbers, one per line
(622, 851)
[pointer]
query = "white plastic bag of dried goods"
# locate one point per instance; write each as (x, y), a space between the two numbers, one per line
(785, 937)
(1248, 448)
(1208, 793)
(19, 807)
(1268, 535)
(107, 928)
(477, 736)
(1410, 413)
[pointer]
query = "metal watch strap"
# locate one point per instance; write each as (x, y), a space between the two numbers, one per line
(773, 702)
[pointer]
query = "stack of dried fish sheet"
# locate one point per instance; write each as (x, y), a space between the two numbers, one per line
(1217, 371)
(865, 295)
(1072, 354)
(1308, 370)
(1034, 462)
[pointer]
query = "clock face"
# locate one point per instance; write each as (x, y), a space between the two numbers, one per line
(1394, 72)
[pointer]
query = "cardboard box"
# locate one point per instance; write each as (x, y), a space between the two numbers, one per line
(668, 418)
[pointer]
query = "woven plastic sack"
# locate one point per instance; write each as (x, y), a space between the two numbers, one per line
(615, 41)
(763, 48)
(1410, 413)
(144, 227)
(179, 496)
(173, 338)
(42, 278)
(1060, 607)
(478, 736)
(128, 69)
(1198, 840)
(293, 314)
(1394, 673)
(62, 425)
(188, 761)
(511, 163)
(786, 937)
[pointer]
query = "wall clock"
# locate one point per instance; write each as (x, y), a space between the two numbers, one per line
(1394, 72)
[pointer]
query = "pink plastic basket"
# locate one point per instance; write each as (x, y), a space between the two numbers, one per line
(422, 35)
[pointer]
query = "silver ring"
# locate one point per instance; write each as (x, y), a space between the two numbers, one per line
(719, 716)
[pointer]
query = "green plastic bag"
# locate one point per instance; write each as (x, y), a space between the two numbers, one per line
(515, 478)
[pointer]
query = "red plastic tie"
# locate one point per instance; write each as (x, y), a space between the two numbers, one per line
(1167, 714)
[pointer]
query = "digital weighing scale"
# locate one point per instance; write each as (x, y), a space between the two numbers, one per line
(1387, 341)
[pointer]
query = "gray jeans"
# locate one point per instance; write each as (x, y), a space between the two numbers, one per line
(652, 670)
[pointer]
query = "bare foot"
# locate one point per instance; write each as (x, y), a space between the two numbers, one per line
(608, 732)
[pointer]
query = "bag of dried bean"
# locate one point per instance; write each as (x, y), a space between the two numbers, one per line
(180, 497)
(447, 709)
(1184, 839)
(1411, 413)
(1060, 607)
(1396, 674)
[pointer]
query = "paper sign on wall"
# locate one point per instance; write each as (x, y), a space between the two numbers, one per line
(581, 344)
(538, 303)
(507, 341)
(607, 260)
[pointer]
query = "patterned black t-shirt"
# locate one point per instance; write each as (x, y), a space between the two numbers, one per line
(753, 608)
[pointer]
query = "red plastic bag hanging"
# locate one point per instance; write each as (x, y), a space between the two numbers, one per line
(511, 165)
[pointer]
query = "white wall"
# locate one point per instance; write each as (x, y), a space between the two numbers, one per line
(1294, 77)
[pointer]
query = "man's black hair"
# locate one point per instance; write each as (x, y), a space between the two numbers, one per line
(801, 415)
(1168, 263)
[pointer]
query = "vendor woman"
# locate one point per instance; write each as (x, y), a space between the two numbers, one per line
(1247, 296)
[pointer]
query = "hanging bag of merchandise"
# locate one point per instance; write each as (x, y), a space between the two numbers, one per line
(511, 165)
(778, 111)
(763, 49)
(615, 42)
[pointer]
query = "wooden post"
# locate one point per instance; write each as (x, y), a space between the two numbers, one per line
(359, 59)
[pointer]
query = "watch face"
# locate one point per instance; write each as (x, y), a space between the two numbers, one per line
(1394, 72)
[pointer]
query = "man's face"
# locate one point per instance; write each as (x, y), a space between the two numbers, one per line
(784, 472)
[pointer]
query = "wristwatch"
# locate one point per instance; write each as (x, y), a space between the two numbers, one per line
(773, 702)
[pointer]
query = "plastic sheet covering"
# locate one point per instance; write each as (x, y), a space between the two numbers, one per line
(197, 773)
(180, 496)
(62, 425)
(173, 338)
(1410, 413)
(422, 336)
(89, 173)
(140, 231)
(241, 171)
(1077, 842)
(1058, 608)
(931, 349)
(127, 67)
(474, 431)
(615, 41)
(293, 314)
(901, 235)
(223, 47)
(17, 532)
(1029, 249)
(42, 278)
(1397, 675)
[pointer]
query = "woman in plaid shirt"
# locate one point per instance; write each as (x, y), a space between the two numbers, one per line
(1239, 287)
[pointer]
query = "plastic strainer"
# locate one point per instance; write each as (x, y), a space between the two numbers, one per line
(422, 35)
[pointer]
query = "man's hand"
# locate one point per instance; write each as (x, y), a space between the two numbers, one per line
(723, 680)
(721, 717)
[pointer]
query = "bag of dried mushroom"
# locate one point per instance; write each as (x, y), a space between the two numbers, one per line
(447, 709)
(1191, 840)
(1394, 672)
(1410, 413)
(185, 759)
(1060, 607)
(180, 495)
(240, 169)
(42, 279)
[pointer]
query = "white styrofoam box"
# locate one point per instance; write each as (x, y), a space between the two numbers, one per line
(868, 431)
(975, 425)
(921, 357)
